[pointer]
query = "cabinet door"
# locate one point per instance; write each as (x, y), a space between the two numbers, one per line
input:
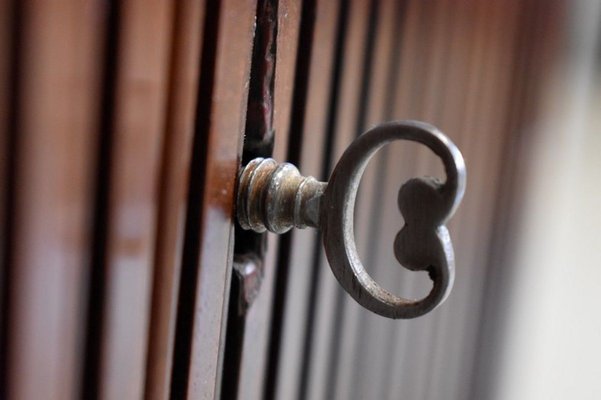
(123, 126)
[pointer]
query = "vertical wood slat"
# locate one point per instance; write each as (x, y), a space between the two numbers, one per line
(313, 143)
(483, 57)
(343, 127)
(412, 372)
(373, 189)
(437, 366)
(486, 158)
(398, 159)
(468, 48)
(536, 34)
(57, 106)
(428, 86)
(402, 338)
(419, 339)
(401, 159)
(221, 161)
(295, 126)
(385, 221)
(139, 119)
(179, 128)
(256, 336)
(435, 27)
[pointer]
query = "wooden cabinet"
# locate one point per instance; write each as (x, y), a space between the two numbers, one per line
(122, 129)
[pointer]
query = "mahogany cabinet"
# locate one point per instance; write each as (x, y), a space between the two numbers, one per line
(122, 128)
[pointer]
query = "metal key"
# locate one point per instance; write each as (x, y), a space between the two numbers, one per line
(276, 197)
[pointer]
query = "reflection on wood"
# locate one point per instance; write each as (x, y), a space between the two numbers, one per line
(56, 111)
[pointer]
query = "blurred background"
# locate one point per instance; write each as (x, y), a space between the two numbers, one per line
(124, 275)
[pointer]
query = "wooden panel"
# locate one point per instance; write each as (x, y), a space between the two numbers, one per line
(256, 337)
(437, 83)
(426, 31)
(422, 74)
(55, 131)
(177, 149)
(285, 365)
(484, 153)
(221, 125)
(378, 185)
(412, 341)
(345, 114)
(137, 127)
(430, 71)
(467, 97)
(121, 126)
(484, 56)
(379, 220)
